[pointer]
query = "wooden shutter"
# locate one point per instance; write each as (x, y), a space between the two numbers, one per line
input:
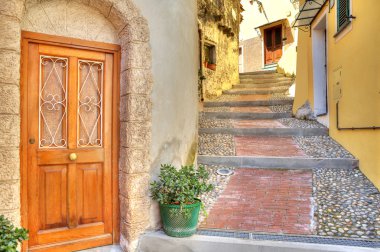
(343, 13)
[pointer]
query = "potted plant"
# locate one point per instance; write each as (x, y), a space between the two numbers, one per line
(177, 192)
(10, 236)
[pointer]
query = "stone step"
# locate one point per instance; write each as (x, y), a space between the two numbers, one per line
(278, 162)
(263, 85)
(256, 91)
(246, 115)
(208, 241)
(267, 131)
(248, 103)
(265, 80)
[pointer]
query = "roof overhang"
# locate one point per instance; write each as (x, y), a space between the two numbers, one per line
(271, 23)
(308, 12)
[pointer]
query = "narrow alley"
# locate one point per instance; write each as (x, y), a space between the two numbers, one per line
(289, 176)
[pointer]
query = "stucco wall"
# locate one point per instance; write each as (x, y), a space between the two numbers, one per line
(360, 81)
(174, 41)
(252, 54)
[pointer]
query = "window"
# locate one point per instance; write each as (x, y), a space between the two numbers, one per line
(343, 14)
(210, 53)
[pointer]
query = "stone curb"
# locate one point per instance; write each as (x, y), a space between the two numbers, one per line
(248, 103)
(158, 241)
(246, 116)
(253, 92)
(279, 162)
(267, 131)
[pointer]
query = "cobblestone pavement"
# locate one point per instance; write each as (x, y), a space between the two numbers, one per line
(346, 204)
(297, 123)
(216, 144)
(322, 147)
(207, 123)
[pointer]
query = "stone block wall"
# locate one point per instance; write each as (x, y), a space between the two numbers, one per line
(10, 16)
(220, 20)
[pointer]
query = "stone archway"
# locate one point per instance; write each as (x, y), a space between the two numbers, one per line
(132, 33)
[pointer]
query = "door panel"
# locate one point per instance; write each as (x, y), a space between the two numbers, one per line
(90, 198)
(53, 197)
(69, 152)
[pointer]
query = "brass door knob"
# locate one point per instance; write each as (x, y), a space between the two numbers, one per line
(73, 156)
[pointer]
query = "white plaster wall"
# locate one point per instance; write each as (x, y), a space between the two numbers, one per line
(174, 43)
(274, 10)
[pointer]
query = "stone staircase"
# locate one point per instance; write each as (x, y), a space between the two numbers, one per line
(252, 112)
(291, 186)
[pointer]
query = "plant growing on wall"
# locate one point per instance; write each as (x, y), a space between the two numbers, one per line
(10, 236)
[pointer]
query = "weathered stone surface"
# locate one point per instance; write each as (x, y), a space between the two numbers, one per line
(132, 232)
(103, 6)
(134, 160)
(134, 185)
(136, 55)
(10, 195)
(305, 112)
(9, 130)
(137, 30)
(9, 164)
(137, 135)
(13, 216)
(12, 8)
(135, 107)
(10, 67)
(70, 19)
(136, 81)
(134, 210)
(121, 13)
(10, 99)
(10, 33)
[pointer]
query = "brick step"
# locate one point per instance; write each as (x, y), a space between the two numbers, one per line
(267, 131)
(248, 103)
(265, 85)
(254, 91)
(278, 162)
(246, 115)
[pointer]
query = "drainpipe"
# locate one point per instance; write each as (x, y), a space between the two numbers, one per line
(201, 66)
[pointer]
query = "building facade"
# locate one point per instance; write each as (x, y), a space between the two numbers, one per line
(219, 22)
(338, 72)
(94, 96)
(267, 39)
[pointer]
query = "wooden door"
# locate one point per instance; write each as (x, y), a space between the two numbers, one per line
(69, 149)
(273, 44)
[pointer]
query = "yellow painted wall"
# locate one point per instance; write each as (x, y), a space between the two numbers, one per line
(357, 53)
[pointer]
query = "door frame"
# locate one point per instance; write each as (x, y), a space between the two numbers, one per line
(30, 37)
(319, 34)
